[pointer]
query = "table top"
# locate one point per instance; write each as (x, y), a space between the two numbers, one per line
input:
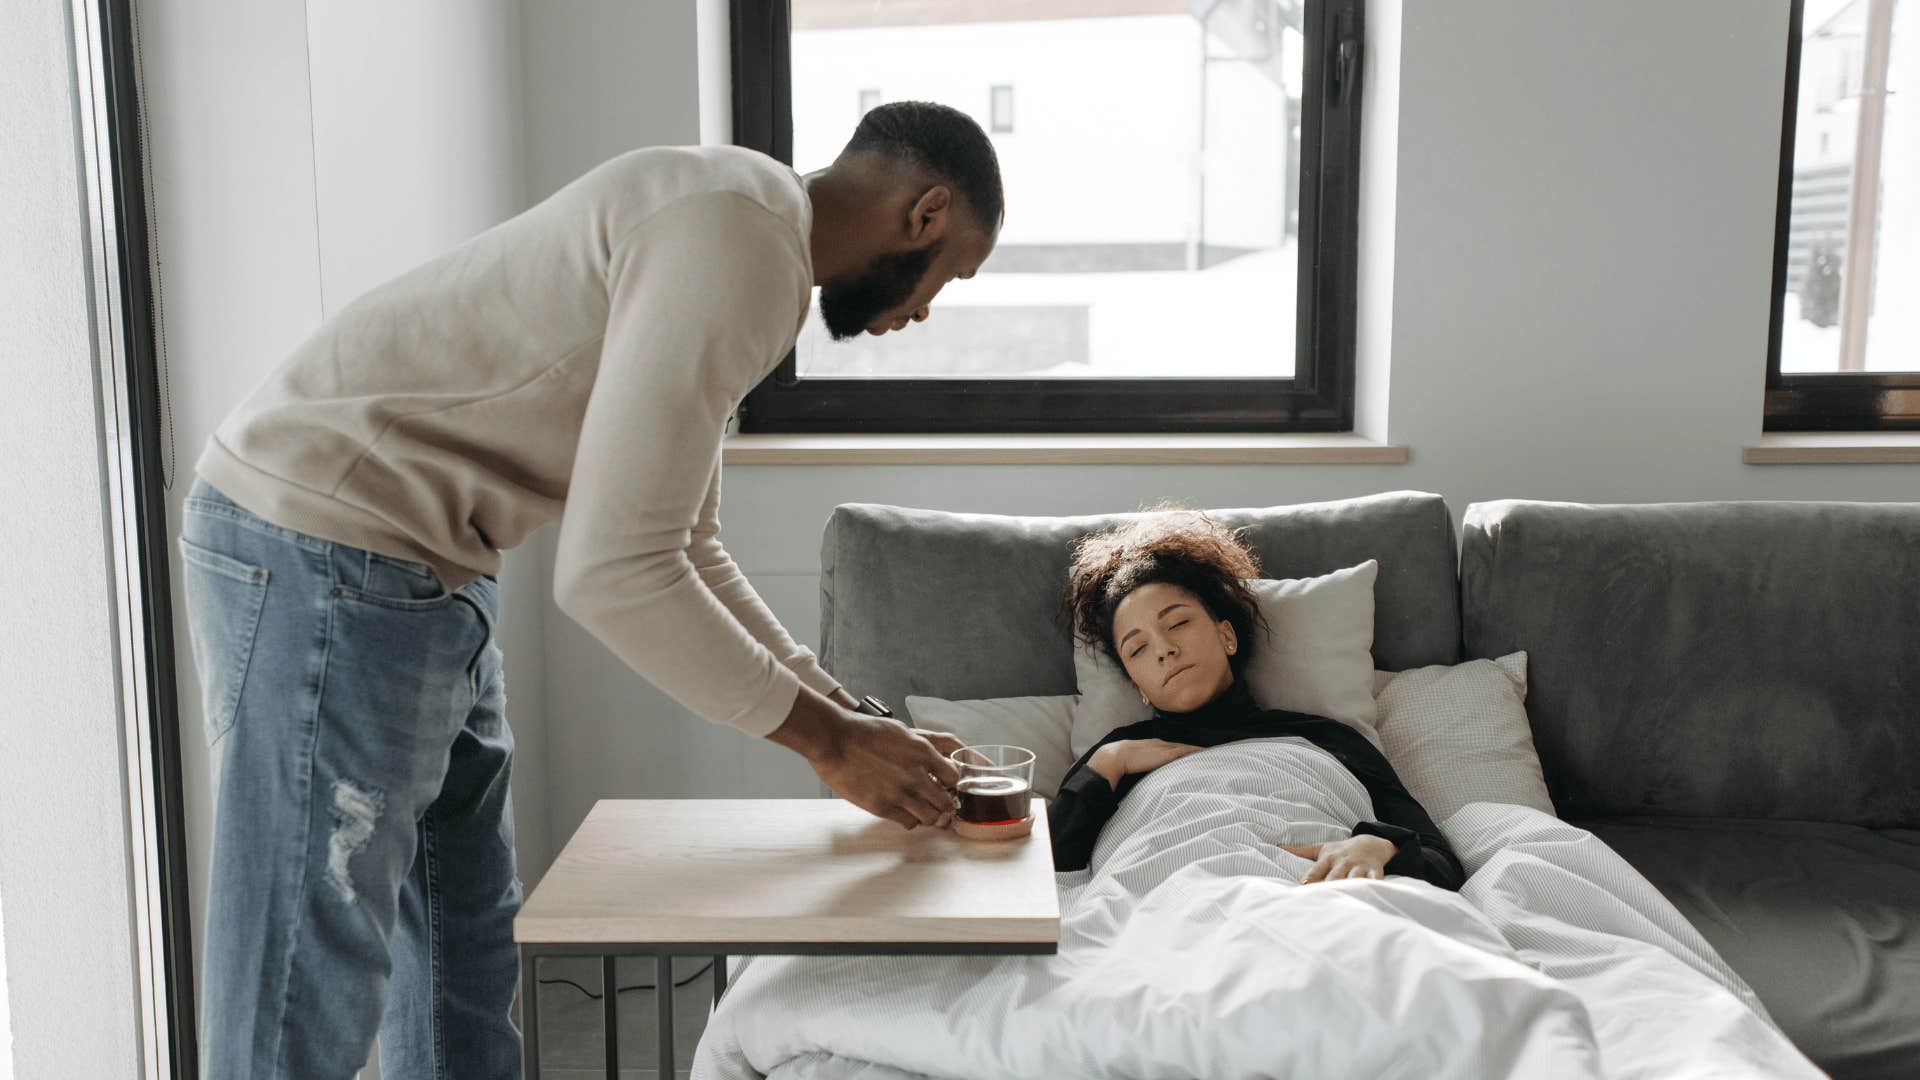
(757, 871)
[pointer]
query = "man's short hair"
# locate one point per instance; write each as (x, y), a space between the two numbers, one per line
(942, 139)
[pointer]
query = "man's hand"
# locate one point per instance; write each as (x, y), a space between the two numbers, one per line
(879, 765)
(1356, 856)
(946, 742)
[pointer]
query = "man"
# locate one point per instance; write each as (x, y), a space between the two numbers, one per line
(340, 546)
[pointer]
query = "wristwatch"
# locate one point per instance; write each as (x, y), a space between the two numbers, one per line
(873, 706)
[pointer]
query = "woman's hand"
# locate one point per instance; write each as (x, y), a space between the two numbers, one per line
(1356, 856)
(1119, 759)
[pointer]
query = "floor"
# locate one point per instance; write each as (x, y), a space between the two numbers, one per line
(571, 1047)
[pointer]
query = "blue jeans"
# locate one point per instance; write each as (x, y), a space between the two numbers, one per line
(363, 878)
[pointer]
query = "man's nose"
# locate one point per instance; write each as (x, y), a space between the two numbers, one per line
(921, 315)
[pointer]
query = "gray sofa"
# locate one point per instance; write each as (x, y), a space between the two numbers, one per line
(1727, 693)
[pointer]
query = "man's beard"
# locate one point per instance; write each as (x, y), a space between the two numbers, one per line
(849, 305)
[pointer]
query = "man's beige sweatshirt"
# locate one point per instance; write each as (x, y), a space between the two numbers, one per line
(578, 362)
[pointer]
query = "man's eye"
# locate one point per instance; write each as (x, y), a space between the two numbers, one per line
(1136, 652)
(1178, 625)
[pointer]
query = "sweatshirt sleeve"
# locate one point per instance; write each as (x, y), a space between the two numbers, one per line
(722, 575)
(703, 297)
(1076, 815)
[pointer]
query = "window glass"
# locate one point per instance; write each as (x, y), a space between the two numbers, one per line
(1852, 298)
(1151, 180)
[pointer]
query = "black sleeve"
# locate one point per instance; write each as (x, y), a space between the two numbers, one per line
(1085, 802)
(1424, 852)
(1076, 816)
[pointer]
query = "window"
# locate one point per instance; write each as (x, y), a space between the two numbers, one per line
(1844, 342)
(868, 100)
(1178, 250)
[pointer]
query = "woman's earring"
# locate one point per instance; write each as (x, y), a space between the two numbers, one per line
(1230, 649)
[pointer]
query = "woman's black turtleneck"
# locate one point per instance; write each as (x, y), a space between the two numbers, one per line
(1086, 800)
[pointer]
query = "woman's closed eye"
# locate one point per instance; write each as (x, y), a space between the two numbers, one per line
(1142, 647)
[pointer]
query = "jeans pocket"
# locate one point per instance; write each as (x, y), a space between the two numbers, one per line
(224, 598)
(397, 583)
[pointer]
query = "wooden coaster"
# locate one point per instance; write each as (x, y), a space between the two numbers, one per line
(1011, 830)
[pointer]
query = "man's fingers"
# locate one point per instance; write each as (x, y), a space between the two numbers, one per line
(924, 812)
(933, 793)
(944, 742)
(945, 773)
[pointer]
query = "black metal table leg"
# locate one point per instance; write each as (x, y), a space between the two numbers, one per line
(663, 979)
(610, 1015)
(719, 978)
(529, 1015)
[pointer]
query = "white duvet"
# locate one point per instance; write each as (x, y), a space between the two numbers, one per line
(1187, 949)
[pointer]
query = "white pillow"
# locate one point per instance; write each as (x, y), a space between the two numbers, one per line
(1038, 723)
(1459, 734)
(1318, 659)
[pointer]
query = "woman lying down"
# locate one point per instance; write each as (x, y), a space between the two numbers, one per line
(1168, 600)
(1252, 893)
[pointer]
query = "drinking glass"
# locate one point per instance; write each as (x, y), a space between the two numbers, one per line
(996, 783)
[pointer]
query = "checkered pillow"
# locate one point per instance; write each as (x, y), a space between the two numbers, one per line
(1459, 734)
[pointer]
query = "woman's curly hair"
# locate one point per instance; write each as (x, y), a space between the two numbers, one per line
(1170, 544)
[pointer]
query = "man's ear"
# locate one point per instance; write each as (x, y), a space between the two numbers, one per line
(932, 212)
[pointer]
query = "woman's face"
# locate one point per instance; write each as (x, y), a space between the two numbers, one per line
(1172, 649)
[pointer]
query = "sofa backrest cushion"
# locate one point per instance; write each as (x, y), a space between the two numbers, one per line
(967, 605)
(1722, 659)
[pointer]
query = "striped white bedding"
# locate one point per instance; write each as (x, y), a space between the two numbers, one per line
(1188, 950)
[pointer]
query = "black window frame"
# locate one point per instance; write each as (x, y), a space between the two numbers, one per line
(1850, 401)
(1319, 397)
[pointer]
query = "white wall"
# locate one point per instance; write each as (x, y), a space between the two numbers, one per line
(69, 1003)
(6, 1014)
(604, 77)
(1565, 321)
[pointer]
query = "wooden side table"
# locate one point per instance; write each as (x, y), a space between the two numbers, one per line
(720, 877)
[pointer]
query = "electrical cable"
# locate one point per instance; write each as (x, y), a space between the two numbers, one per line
(704, 968)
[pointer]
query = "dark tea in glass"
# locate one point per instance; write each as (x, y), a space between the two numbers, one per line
(996, 784)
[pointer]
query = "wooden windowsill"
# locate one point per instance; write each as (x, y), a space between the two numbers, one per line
(1335, 449)
(1834, 448)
